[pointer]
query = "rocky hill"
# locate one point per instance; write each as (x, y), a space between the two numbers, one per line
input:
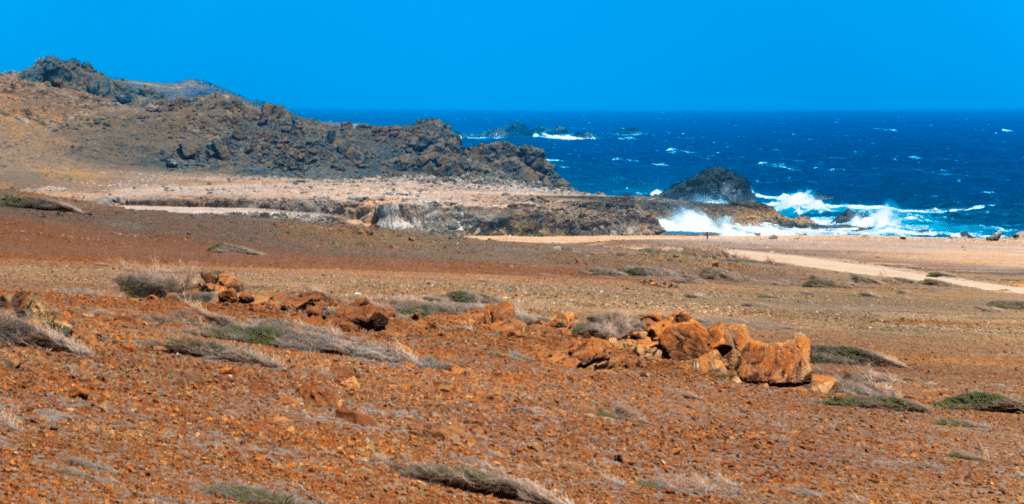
(228, 133)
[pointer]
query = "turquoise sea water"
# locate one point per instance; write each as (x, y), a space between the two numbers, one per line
(906, 173)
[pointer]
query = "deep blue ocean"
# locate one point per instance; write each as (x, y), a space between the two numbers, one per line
(907, 173)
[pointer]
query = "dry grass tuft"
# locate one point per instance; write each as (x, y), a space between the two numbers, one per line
(309, 338)
(609, 324)
(837, 354)
(696, 485)
(16, 331)
(867, 381)
(483, 482)
(213, 350)
(8, 418)
(138, 281)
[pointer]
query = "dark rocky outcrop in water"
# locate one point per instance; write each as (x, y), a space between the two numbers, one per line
(713, 185)
(847, 216)
(519, 129)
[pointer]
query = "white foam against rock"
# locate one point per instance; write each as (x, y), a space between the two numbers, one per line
(873, 220)
(559, 137)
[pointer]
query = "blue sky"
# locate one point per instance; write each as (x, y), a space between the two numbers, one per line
(567, 55)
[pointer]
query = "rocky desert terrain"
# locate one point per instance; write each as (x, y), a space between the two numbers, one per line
(268, 356)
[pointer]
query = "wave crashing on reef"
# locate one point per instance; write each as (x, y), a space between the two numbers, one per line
(871, 220)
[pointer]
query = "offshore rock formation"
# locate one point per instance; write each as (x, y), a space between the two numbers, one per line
(519, 129)
(714, 185)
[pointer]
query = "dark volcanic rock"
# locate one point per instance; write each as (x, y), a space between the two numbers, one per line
(713, 185)
(847, 216)
(75, 74)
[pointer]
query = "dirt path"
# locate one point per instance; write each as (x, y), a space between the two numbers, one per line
(865, 269)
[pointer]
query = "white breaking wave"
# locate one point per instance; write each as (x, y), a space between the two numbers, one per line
(781, 166)
(914, 157)
(655, 192)
(559, 137)
(887, 129)
(659, 164)
(671, 150)
(1007, 130)
(552, 160)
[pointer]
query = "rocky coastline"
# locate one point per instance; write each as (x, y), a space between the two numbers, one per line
(193, 128)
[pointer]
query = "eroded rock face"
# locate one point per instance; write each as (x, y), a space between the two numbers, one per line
(784, 363)
(681, 337)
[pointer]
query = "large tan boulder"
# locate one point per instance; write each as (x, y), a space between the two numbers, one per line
(736, 338)
(681, 337)
(592, 352)
(504, 310)
(784, 363)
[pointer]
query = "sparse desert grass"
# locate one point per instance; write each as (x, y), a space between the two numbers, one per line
(609, 324)
(408, 305)
(8, 417)
(815, 282)
(867, 381)
(838, 354)
(213, 350)
(935, 274)
(983, 401)
(309, 338)
(957, 422)
(881, 402)
(250, 494)
(862, 279)
(716, 273)
(965, 456)
(695, 485)
(485, 482)
(140, 281)
(1007, 305)
(620, 412)
(17, 331)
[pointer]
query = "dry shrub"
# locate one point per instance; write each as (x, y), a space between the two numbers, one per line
(866, 381)
(213, 350)
(16, 331)
(837, 354)
(484, 482)
(609, 324)
(695, 485)
(8, 417)
(309, 338)
(138, 281)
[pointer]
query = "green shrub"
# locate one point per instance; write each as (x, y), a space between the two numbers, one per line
(965, 456)
(882, 402)
(953, 422)
(461, 297)
(636, 271)
(819, 282)
(421, 309)
(257, 335)
(863, 279)
(935, 283)
(937, 274)
(1007, 305)
(971, 400)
